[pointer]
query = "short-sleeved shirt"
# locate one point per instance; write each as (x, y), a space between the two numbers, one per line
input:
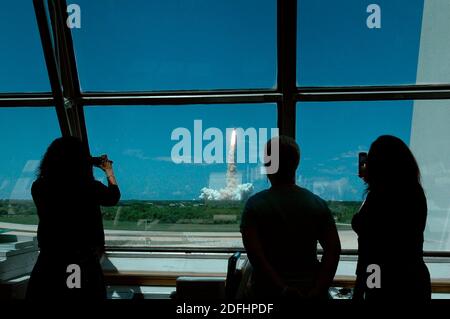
(289, 221)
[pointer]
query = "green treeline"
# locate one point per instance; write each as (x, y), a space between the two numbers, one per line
(166, 212)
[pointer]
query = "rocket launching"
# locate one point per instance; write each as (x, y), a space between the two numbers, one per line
(232, 190)
(231, 171)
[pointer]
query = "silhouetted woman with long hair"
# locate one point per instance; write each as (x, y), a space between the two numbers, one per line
(70, 231)
(390, 226)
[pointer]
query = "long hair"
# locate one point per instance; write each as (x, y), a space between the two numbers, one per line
(391, 166)
(66, 161)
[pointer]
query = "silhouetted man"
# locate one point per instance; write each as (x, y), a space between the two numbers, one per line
(280, 229)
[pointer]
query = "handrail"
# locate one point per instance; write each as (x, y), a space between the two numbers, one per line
(168, 279)
(219, 250)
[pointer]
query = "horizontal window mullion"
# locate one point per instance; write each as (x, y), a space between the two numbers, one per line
(180, 98)
(373, 93)
(26, 100)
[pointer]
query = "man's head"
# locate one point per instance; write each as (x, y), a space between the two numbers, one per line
(288, 158)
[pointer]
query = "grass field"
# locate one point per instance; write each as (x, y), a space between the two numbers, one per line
(179, 216)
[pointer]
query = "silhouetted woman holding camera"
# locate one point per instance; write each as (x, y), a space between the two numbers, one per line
(390, 226)
(70, 231)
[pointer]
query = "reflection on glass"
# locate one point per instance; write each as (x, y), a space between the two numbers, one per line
(434, 65)
(26, 134)
(430, 143)
(194, 196)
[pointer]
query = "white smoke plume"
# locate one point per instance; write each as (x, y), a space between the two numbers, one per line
(239, 193)
(233, 190)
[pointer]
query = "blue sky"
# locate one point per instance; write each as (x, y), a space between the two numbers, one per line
(161, 45)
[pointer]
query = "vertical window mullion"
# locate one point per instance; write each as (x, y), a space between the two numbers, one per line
(287, 60)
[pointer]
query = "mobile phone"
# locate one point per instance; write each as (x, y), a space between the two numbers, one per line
(362, 163)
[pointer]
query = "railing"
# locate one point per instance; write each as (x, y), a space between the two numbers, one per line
(169, 280)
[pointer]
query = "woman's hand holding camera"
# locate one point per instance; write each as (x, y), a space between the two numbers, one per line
(106, 166)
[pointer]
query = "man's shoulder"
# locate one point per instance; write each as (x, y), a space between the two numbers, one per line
(312, 199)
(301, 196)
(258, 197)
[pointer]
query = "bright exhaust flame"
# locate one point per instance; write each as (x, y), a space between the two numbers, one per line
(233, 139)
(233, 190)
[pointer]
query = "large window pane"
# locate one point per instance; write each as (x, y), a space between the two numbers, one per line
(331, 135)
(159, 195)
(337, 48)
(166, 45)
(26, 134)
(22, 65)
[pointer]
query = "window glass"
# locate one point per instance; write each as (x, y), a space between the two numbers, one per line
(24, 140)
(159, 195)
(22, 64)
(332, 134)
(340, 44)
(170, 45)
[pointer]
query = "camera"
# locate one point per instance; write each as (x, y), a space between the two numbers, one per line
(97, 161)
